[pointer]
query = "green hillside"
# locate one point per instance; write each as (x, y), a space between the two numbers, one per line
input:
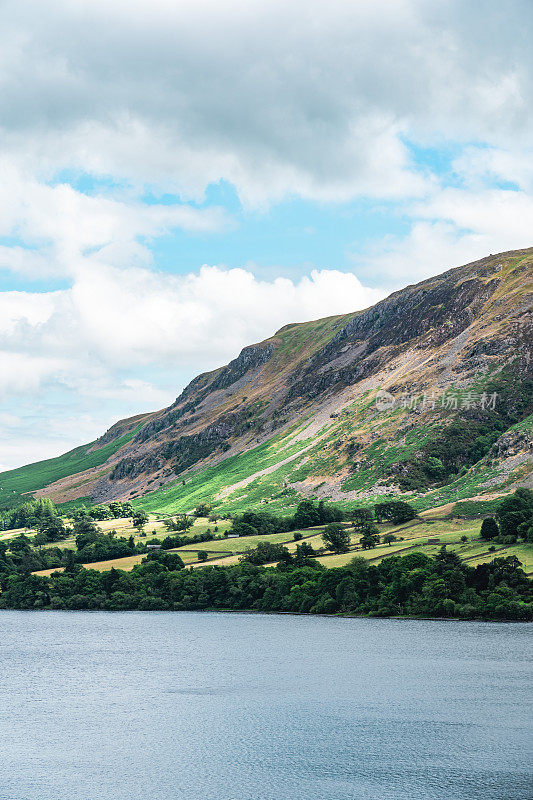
(32, 477)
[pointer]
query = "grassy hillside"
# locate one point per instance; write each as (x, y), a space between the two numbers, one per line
(31, 478)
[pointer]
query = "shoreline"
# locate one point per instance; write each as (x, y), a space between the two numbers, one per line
(253, 611)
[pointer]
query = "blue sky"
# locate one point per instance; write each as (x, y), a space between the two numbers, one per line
(178, 180)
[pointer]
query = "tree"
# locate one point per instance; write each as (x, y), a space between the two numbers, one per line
(116, 509)
(140, 518)
(489, 529)
(20, 544)
(171, 561)
(68, 560)
(100, 512)
(53, 528)
(39, 539)
(515, 510)
(389, 538)
(306, 515)
(361, 515)
(396, 511)
(329, 513)
(336, 538)
(85, 531)
(303, 552)
(370, 537)
(202, 510)
(181, 523)
(266, 553)
(202, 555)
(127, 509)
(243, 529)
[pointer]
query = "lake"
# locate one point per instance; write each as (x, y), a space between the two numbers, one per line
(214, 706)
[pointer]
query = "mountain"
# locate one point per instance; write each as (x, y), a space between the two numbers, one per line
(426, 394)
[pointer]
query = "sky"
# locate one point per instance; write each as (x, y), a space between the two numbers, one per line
(180, 178)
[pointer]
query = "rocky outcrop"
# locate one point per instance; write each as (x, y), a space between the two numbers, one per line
(249, 359)
(511, 443)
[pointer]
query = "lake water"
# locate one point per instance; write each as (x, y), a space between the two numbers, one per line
(213, 706)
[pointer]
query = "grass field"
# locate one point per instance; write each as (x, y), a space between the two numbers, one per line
(415, 535)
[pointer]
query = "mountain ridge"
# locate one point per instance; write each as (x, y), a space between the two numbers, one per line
(307, 394)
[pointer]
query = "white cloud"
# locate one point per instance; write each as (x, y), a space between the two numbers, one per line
(23, 373)
(120, 319)
(60, 226)
(301, 98)
(321, 101)
(504, 218)
(451, 228)
(478, 165)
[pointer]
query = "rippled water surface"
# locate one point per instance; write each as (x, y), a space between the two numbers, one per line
(208, 706)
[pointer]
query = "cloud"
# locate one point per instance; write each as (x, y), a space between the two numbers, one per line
(117, 319)
(152, 102)
(451, 228)
(60, 226)
(281, 99)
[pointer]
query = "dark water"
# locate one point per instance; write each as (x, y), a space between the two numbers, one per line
(154, 706)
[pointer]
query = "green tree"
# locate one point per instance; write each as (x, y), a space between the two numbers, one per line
(202, 555)
(266, 553)
(53, 528)
(140, 518)
(389, 538)
(336, 538)
(85, 531)
(20, 544)
(202, 510)
(489, 529)
(306, 515)
(69, 561)
(515, 510)
(361, 515)
(40, 539)
(127, 509)
(370, 537)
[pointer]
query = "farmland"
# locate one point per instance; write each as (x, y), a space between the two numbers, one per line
(225, 552)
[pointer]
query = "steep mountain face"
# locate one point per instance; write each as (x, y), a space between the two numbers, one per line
(427, 391)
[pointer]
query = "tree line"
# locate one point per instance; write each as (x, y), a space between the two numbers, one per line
(412, 585)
